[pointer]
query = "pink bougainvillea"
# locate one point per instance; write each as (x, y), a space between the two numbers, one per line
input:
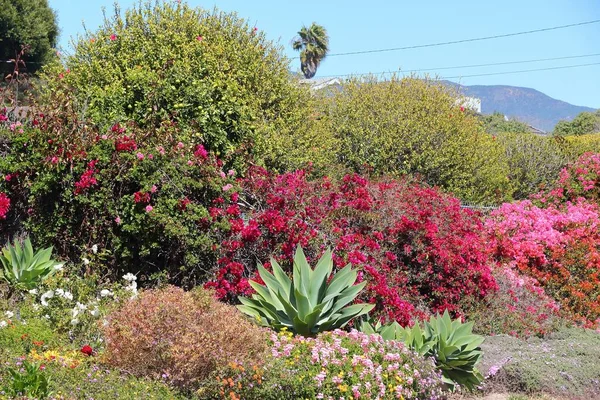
(558, 246)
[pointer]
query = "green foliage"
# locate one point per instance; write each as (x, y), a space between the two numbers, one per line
(415, 126)
(533, 160)
(313, 44)
(582, 124)
(22, 268)
(453, 345)
(29, 23)
(29, 380)
(221, 81)
(496, 123)
(308, 303)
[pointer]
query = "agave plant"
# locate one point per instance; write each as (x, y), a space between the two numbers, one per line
(22, 268)
(309, 302)
(453, 345)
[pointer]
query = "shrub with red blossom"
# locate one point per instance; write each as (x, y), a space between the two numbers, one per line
(4, 205)
(418, 250)
(73, 195)
(558, 246)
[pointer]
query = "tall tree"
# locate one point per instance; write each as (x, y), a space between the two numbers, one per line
(313, 44)
(30, 23)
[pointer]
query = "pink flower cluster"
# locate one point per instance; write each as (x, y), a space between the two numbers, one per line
(339, 363)
(558, 246)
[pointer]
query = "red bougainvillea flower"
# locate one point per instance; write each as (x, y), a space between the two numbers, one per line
(199, 38)
(113, 37)
(4, 205)
(87, 350)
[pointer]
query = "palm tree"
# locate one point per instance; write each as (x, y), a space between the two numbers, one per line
(313, 44)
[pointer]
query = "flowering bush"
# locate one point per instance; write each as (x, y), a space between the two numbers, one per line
(180, 337)
(126, 200)
(414, 246)
(334, 365)
(579, 179)
(558, 246)
(520, 307)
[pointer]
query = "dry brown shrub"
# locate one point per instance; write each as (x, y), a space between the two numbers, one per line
(180, 336)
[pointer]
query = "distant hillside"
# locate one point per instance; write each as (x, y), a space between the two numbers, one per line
(525, 104)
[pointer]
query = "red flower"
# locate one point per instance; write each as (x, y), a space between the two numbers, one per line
(113, 37)
(4, 205)
(141, 197)
(87, 350)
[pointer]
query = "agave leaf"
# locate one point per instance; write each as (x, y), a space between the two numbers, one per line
(354, 311)
(27, 249)
(303, 305)
(341, 280)
(319, 277)
(301, 271)
(284, 281)
(270, 281)
(347, 296)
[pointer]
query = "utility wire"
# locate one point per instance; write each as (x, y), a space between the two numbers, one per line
(461, 66)
(521, 71)
(463, 40)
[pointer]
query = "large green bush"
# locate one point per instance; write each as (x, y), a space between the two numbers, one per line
(533, 160)
(414, 126)
(210, 72)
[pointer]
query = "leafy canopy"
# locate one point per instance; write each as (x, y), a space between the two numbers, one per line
(29, 23)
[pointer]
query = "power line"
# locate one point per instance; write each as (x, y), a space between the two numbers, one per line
(462, 66)
(463, 40)
(521, 71)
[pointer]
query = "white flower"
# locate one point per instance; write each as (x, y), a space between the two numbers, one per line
(85, 261)
(9, 314)
(74, 321)
(68, 295)
(104, 322)
(3, 324)
(47, 316)
(75, 312)
(81, 307)
(59, 267)
(95, 312)
(48, 295)
(95, 249)
(59, 292)
(129, 277)
(36, 306)
(105, 292)
(33, 291)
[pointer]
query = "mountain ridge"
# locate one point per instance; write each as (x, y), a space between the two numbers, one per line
(521, 103)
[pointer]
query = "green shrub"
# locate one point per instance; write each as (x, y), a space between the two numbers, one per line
(210, 72)
(308, 303)
(414, 126)
(28, 380)
(180, 337)
(533, 160)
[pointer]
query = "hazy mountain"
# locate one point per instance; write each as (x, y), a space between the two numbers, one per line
(525, 104)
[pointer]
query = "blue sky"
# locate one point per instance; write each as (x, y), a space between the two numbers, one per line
(360, 25)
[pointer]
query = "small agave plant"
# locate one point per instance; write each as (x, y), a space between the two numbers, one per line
(22, 268)
(309, 302)
(451, 343)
